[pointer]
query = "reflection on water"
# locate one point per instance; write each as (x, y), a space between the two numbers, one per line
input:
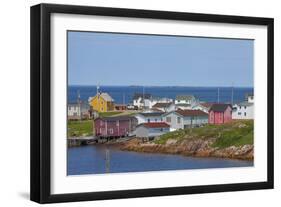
(96, 159)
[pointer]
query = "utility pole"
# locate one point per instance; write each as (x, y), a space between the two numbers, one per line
(143, 97)
(232, 93)
(218, 94)
(79, 104)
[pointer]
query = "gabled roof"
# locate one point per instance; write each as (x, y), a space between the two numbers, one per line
(106, 97)
(219, 107)
(191, 113)
(185, 97)
(115, 118)
(183, 104)
(162, 105)
(148, 114)
(186, 113)
(141, 95)
(155, 125)
(207, 105)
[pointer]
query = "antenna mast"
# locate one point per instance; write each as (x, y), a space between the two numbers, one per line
(143, 97)
(218, 94)
(232, 94)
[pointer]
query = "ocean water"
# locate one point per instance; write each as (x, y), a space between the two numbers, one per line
(92, 159)
(124, 94)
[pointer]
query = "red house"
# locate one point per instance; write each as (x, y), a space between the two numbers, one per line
(220, 114)
(117, 126)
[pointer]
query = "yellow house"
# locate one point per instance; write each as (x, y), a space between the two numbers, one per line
(102, 102)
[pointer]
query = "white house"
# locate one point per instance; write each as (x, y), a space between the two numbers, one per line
(182, 119)
(142, 100)
(79, 110)
(243, 110)
(149, 117)
(185, 102)
(153, 129)
(155, 100)
(146, 101)
(203, 107)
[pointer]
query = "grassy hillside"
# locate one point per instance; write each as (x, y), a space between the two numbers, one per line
(237, 133)
(79, 128)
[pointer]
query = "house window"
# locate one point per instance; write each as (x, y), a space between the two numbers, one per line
(178, 120)
(239, 113)
(155, 120)
(168, 119)
(111, 131)
(148, 120)
(245, 107)
(245, 114)
(239, 107)
(161, 129)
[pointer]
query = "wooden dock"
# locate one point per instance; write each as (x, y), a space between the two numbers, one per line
(78, 141)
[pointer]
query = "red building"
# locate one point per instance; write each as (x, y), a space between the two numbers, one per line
(220, 114)
(117, 126)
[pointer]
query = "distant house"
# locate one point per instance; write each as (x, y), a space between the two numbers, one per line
(152, 129)
(165, 107)
(185, 102)
(117, 126)
(102, 102)
(245, 109)
(220, 113)
(146, 101)
(149, 117)
(182, 119)
(155, 100)
(77, 111)
(203, 107)
(140, 100)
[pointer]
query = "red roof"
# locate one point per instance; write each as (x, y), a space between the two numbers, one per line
(156, 125)
(191, 113)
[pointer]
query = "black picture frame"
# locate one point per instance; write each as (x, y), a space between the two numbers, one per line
(41, 95)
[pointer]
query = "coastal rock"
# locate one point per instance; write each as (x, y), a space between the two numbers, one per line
(171, 141)
(192, 147)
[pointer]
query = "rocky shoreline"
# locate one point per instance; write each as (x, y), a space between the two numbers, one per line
(191, 147)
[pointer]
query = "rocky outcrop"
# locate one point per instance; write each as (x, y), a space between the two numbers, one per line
(192, 147)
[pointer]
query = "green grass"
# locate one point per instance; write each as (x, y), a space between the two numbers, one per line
(109, 113)
(80, 128)
(236, 137)
(237, 133)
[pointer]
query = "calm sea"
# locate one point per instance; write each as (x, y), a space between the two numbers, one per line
(92, 159)
(124, 94)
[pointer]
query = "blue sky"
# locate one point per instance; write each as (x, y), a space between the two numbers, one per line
(151, 60)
